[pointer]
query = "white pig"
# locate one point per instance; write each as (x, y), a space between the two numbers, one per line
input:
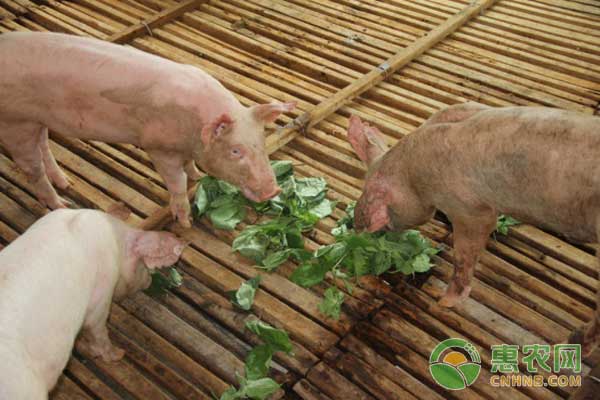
(60, 276)
(89, 89)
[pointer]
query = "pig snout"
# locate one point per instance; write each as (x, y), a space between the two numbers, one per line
(263, 195)
(371, 215)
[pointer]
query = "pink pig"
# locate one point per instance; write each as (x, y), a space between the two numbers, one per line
(50, 289)
(539, 165)
(94, 90)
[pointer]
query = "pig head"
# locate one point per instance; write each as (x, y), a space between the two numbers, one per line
(389, 200)
(146, 251)
(372, 209)
(233, 149)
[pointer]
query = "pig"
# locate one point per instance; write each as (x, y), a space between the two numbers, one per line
(472, 162)
(58, 278)
(94, 90)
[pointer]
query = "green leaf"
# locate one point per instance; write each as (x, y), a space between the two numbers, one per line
(231, 394)
(228, 188)
(282, 169)
(244, 296)
(161, 284)
(201, 201)
(258, 362)
(278, 339)
(274, 260)
(504, 222)
(360, 263)
(323, 209)
(175, 277)
(383, 262)
(309, 274)
(421, 263)
(252, 244)
(227, 216)
(260, 389)
(331, 305)
(310, 187)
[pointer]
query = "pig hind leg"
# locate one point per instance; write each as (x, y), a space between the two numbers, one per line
(589, 334)
(56, 175)
(471, 233)
(27, 154)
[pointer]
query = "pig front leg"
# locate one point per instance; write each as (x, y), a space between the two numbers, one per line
(171, 167)
(94, 338)
(470, 236)
(192, 171)
(24, 142)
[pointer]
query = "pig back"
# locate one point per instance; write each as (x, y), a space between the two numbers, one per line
(95, 90)
(537, 164)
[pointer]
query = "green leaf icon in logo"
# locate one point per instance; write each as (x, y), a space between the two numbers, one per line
(451, 369)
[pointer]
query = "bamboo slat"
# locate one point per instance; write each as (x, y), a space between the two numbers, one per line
(531, 287)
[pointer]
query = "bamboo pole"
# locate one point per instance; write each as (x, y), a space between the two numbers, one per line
(155, 21)
(372, 78)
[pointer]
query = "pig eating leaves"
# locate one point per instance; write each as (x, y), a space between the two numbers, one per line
(473, 162)
(89, 89)
(60, 276)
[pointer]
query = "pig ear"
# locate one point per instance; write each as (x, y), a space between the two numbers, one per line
(158, 249)
(367, 141)
(269, 112)
(219, 127)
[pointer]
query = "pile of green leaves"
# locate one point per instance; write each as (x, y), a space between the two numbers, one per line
(270, 243)
(162, 283)
(255, 384)
(302, 199)
(358, 254)
(504, 222)
(295, 210)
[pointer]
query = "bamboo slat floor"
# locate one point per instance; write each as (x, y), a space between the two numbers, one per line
(531, 286)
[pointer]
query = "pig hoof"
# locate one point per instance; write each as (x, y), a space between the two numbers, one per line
(62, 182)
(448, 301)
(60, 203)
(185, 223)
(112, 355)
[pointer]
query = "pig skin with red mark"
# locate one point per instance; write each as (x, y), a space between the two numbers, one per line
(89, 89)
(60, 277)
(472, 162)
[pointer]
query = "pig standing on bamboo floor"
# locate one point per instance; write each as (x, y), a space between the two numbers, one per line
(89, 89)
(61, 275)
(472, 162)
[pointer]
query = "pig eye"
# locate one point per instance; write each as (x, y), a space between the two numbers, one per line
(236, 152)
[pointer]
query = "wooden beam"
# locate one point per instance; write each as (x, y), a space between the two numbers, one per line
(163, 17)
(372, 78)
